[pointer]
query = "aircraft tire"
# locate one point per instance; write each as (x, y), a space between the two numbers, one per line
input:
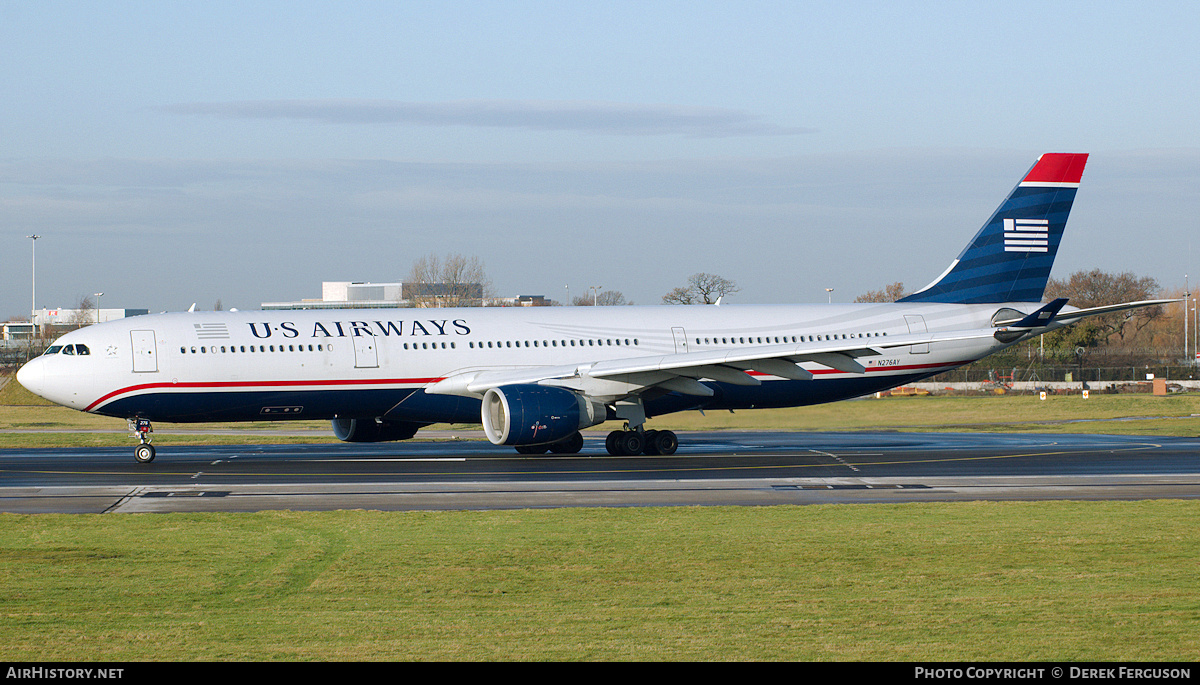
(143, 454)
(663, 442)
(624, 443)
(610, 443)
(649, 447)
(630, 443)
(568, 445)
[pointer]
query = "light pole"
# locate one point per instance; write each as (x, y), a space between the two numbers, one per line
(98, 296)
(596, 295)
(829, 294)
(33, 281)
(568, 302)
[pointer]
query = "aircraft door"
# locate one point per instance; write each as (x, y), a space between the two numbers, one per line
(916, 324)
(366, 356)
(145, 353)
(680, 336)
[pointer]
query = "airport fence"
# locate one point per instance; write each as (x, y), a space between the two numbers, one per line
(14, 353)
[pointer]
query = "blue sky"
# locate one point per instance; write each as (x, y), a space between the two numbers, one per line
(172, 153)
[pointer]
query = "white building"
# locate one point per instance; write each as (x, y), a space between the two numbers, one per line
(82, 317)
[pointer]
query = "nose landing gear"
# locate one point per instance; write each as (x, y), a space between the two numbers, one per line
(141, 429)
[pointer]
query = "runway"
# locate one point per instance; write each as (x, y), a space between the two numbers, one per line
(712, 468)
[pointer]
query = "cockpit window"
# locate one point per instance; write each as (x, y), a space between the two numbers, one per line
(77, 348)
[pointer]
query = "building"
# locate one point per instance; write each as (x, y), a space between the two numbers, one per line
(16, 330)
(366, 295)
(81, 317)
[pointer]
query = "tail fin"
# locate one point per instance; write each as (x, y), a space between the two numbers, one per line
(1009, 259)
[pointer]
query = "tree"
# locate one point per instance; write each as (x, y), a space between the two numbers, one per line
(701, 288)
(85, 313)
(890, 293)
(452, 281)
(1096, 288)
(605, 298)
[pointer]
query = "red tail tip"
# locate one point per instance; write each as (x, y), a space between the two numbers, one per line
(1057, 167)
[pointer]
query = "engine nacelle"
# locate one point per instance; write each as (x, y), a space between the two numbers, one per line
(370, 430)
(537, 414)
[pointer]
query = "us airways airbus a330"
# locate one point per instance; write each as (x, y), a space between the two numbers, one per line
(535, 377)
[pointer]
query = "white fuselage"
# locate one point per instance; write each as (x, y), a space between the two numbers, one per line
(367, 363)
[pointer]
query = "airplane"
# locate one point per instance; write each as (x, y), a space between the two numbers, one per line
(536, 377)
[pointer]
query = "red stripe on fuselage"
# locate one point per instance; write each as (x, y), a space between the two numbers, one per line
(876, 369)
(417, 381)
(263, 385)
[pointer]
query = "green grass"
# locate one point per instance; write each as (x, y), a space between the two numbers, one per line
(975, 581)
(1011, 581)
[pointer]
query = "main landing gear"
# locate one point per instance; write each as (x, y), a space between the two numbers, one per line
(141, 429)
(626, 443)
(622, 443)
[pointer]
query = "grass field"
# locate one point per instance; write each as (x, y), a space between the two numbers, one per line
(956, 582)
(1012, 581)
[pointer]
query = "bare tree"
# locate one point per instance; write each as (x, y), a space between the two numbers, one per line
(451, 281)
(701, 288)
(890, 293)
(605, 298)
(85, 313)
(1096, 288)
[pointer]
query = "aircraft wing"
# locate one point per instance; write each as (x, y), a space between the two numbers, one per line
(616, 378)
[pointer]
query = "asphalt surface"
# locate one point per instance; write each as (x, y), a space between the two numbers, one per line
(719, 468)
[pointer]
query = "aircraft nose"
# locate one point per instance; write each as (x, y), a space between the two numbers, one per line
(33, 376)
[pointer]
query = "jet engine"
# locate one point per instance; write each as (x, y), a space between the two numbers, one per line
(537, 414)
(372, 430)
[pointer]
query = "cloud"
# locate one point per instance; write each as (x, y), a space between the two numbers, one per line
(537, 115)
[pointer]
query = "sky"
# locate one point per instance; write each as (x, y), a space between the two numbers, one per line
(171, 153)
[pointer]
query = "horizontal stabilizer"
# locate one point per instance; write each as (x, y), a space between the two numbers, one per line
(1073, 316)
(1043, 316)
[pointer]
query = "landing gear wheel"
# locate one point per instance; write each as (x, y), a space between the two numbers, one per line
(624, 443)
(144, 453)
(532, 449)
(568, 445)
(648, 447)
(662, 442)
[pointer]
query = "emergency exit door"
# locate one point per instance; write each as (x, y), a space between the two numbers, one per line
(366, 356)
(680, 337)
(916, 324)
(145, 353)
